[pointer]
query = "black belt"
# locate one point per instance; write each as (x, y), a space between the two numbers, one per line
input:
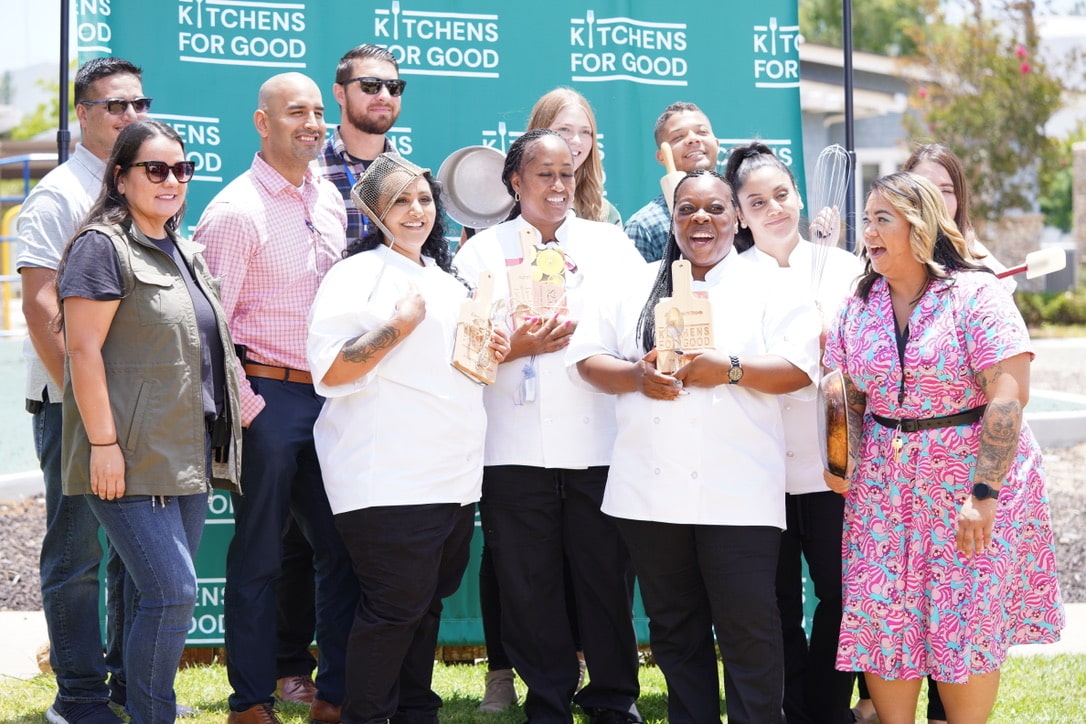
(930, 423)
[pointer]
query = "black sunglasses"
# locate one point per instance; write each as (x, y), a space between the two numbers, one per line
(372, 86)
(117, 106)
(157, 171)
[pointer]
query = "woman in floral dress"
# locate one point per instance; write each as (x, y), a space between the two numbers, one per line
(949, 551)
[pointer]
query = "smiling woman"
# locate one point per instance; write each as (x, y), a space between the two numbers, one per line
(694, 485)
(151, 405)
(947, 528)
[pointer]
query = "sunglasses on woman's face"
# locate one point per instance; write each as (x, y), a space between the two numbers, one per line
(372, 86)
(117, 106)
(157, 171)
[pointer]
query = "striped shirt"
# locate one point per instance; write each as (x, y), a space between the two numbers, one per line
(343, 169)
(271, 243)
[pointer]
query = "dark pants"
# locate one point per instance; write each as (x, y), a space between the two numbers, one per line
(490, 608)
(280, 477)
(815, 692)
(406, 558)
(534, 521)
(697, 578)
(295, 602)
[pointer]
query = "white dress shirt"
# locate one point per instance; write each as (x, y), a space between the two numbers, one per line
(839, 271)
(565, 426)
(714, 456)
(411, 431)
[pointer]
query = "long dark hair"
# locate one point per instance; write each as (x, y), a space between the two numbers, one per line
(436, 245)
(111, 207)
(743, 161)
(664, 285)
(519, 154)
(934, 238)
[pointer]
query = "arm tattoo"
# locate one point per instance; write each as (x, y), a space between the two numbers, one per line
(999, 432)
(988, 375)
(362, 348)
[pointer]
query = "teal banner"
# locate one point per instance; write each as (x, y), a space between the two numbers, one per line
(474, 69)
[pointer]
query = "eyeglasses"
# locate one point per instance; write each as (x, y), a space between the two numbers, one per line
(158, 171)
(372, 86)
(117, 106)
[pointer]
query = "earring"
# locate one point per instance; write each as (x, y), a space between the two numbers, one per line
(516, 197)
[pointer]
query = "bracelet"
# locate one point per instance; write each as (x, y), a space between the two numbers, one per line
(103, 444)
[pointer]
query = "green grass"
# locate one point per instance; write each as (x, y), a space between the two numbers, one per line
(1035, 689)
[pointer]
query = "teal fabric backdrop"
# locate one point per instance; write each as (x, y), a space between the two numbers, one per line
(474, 69)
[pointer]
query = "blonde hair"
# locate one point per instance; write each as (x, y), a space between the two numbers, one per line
(934, 239)
(588, 194)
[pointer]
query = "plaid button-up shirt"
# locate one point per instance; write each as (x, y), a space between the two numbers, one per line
(649, 228)
(339, 167)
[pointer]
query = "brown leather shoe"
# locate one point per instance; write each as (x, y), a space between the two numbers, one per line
(297, 689)
(321, 712)
(256, 714)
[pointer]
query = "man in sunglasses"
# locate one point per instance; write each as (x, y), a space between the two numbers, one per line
(368, 90)
(108, 97)
(271, 235)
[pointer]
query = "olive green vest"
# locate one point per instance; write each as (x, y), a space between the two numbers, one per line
(152, 363)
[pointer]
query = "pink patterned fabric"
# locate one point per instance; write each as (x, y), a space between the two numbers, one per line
(913, 605)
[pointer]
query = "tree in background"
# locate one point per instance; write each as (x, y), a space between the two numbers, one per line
(886, 27)
(990, 100)
(989, 96)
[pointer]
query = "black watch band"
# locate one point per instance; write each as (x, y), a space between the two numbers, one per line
(984, 491)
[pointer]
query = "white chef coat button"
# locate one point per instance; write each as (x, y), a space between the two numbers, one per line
(694, 475)
(791, 454)
(656, 471)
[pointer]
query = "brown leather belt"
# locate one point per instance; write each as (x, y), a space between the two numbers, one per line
(285, 374)
(930, 423)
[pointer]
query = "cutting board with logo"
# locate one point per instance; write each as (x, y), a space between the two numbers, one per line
(684, 321)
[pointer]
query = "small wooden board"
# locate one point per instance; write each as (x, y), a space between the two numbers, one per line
(683, 322)
(537, 285)
(833, 423)
(471, 353)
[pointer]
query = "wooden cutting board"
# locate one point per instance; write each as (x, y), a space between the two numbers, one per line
(537, 285)
(683, 322)
(471, 353)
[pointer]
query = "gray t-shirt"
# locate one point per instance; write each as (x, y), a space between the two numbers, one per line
(93, 272)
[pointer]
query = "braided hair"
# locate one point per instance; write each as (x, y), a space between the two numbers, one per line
(664, 286)
(518, 155)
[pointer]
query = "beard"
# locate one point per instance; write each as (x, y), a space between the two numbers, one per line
(366, 124)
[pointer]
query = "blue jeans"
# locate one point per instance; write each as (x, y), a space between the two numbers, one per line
(70, 557)
(281, 476)
(157, 539)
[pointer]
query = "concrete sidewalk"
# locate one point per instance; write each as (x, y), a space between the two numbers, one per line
(23, 633)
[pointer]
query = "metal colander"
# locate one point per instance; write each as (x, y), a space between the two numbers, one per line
(381, 184)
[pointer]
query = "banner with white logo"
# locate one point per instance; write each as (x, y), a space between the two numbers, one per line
(474, 70)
